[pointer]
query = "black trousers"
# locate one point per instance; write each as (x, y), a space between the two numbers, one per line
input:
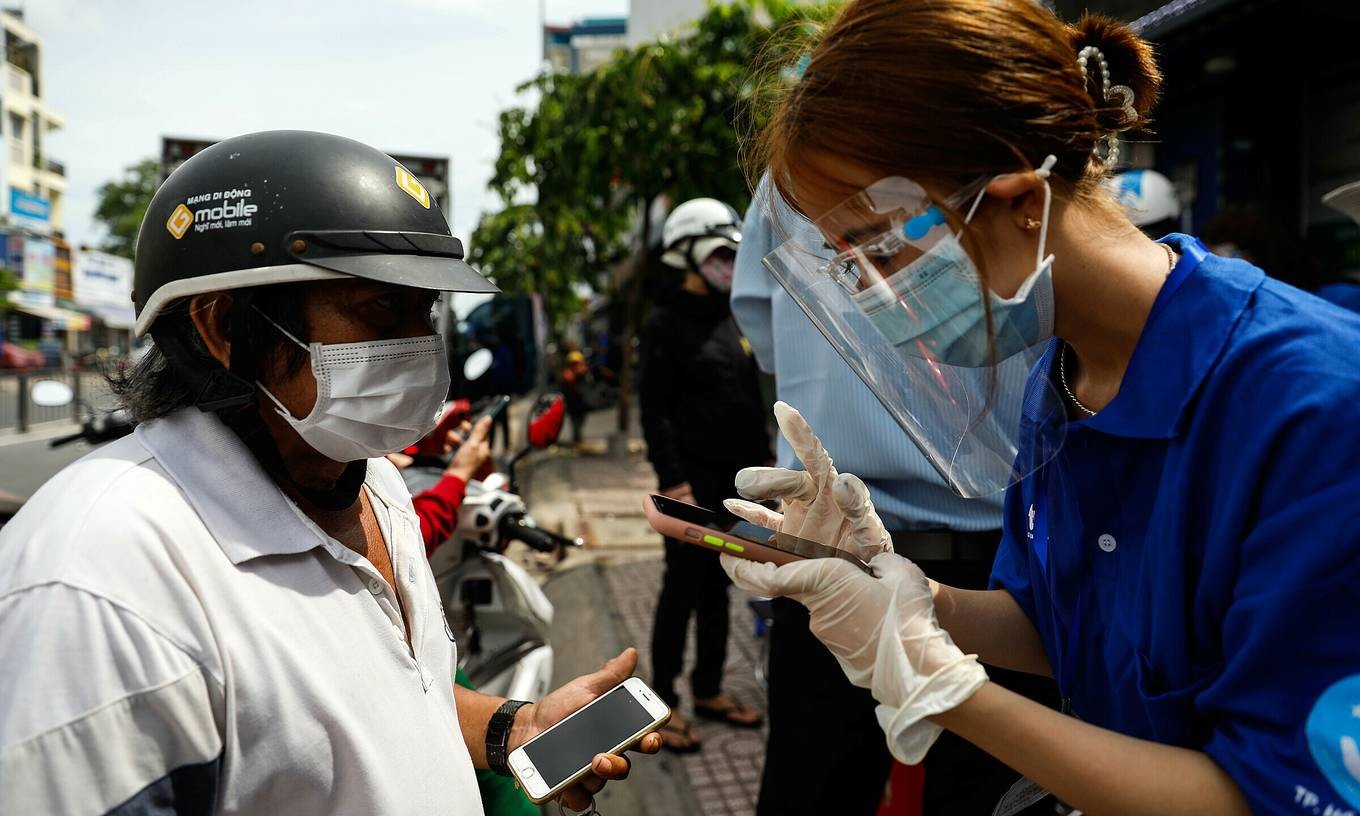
(578, 423)
(694, 584)
(826, 752)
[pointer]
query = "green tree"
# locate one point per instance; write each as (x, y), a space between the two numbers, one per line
(123, 203)
(662, 119)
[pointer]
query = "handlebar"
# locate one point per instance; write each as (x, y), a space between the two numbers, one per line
(519, 528)
(102, 426)
(66, 440)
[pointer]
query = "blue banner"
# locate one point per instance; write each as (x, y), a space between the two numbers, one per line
(27, 205)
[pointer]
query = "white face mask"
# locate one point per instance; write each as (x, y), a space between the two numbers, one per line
(717, 270)
(372, 398)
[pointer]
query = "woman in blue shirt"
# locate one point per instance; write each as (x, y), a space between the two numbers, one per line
(1182, 512)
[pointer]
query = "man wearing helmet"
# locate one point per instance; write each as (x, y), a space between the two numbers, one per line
(704, 420)
(230, 610)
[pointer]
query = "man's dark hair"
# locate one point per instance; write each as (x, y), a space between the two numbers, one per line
(151, 388)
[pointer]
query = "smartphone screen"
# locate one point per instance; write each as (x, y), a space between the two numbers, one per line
(741, 528)
(570, 745)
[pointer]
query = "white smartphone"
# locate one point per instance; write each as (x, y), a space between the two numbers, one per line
(557, 758)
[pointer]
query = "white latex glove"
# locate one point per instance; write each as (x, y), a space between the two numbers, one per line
(884, 634)
(819, 504)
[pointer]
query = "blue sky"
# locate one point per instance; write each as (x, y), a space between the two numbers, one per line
(417, 76)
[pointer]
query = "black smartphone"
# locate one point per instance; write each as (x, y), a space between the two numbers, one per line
(493, 409)
(735, 535)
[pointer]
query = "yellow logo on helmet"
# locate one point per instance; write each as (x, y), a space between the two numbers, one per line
(412, 186)
(179, 222)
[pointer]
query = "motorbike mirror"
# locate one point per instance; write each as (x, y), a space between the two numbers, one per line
(477, 364)
(51, 393)
(545, 420)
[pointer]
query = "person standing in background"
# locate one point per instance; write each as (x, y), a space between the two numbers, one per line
(703, 419)
(953, 539)
(573, 379)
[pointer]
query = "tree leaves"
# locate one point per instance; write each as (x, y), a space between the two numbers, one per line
(123, 203)
(659, 119)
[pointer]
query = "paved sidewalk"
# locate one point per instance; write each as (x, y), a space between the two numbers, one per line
(597, 496)
(725, 775)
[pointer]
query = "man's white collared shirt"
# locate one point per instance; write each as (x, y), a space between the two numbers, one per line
(172, 627)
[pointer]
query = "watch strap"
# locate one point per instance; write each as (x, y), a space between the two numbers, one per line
(498, 736)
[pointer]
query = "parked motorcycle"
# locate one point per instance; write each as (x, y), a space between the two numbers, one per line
(500, 616)
(98, 426)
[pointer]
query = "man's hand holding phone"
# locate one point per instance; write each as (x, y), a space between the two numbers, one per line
(474, 449)
(567, 700)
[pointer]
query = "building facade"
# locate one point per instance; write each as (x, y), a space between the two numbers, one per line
(32, 194)
(35, 183)
(583, 46)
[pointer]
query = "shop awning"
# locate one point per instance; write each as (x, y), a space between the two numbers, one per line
(64, 318)
(115, 317)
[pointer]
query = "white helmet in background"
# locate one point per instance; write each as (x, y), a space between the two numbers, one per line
(695, 229)
(1148, 197)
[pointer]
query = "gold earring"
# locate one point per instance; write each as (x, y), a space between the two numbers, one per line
(1033, 223)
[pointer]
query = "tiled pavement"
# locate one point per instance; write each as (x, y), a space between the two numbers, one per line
(725, 775)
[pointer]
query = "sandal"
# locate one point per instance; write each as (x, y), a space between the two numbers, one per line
(735, 715)
(679, 737)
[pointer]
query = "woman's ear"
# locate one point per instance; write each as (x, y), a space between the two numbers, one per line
(211, 313)
(1023, 193)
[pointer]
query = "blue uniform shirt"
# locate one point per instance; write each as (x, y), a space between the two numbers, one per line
(1342, 293)
(1191, 557)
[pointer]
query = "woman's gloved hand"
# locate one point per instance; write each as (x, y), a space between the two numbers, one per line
(883, 632)
(819, 504)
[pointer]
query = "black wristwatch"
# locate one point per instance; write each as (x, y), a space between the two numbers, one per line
(498, 736)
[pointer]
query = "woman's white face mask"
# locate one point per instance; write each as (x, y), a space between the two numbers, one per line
(372, 398)
(717, 269)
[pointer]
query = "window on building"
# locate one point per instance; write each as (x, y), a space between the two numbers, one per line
(17, 125)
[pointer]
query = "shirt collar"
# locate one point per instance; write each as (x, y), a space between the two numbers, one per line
(1189, 325)
(242, 507)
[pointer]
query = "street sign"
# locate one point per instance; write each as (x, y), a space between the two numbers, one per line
(30, 211)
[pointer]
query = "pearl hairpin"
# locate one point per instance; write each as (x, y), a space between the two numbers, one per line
(1109, 93)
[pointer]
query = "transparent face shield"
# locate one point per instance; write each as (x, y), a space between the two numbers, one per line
(885, 279)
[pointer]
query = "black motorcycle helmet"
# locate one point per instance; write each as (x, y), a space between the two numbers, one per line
(285, 206)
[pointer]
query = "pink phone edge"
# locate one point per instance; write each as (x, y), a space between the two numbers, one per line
(675, 528)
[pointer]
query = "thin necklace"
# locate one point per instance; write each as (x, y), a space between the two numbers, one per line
(1062, 378)
(1062, 354)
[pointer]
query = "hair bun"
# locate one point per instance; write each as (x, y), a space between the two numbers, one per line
(1131, 64)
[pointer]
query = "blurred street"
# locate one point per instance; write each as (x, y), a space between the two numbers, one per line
(26, 461)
